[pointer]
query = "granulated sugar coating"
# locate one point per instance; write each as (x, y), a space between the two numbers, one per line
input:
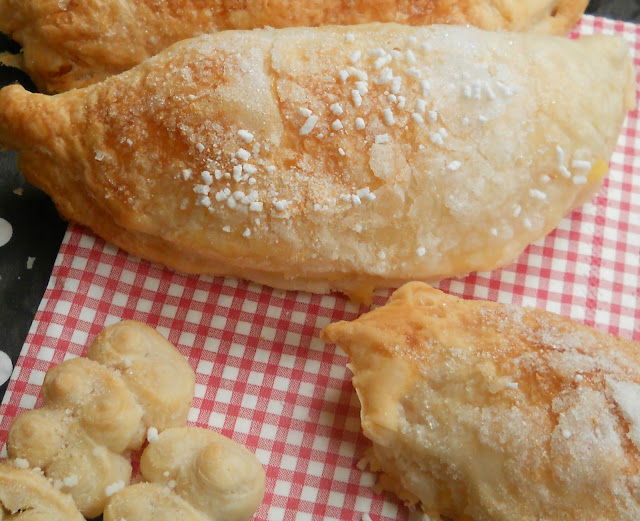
(304, 159)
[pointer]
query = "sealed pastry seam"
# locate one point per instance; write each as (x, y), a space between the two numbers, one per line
(332, 158)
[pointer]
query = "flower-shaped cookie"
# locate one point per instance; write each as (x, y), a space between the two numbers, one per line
(195, 475)
(97, 408)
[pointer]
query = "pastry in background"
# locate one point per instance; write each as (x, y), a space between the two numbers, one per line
(195, 475)
(335, 158)
(132, 385)
(26, 495)
(69, 44)
(484, 411)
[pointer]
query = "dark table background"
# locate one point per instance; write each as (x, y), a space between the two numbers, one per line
(38, 230)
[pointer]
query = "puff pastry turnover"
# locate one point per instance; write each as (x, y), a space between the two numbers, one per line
(195, 475)
(26, 495)
(96, 409)
(482, 411)
(332, 158)
(68, 44)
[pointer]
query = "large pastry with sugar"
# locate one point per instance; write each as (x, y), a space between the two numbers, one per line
(334, 158)
(69, 44)
(480, 411)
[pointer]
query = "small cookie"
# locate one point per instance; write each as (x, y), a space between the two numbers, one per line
(195, 474)
(97, 409)
(150, 502)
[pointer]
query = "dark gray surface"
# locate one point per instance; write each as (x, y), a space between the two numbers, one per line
(38, 231)
(619, 9)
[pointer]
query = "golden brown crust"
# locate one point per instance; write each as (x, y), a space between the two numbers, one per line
(98, 408)
(497, 412)
(26, 495)
(194, 474)
(69, 44)
(195, 159)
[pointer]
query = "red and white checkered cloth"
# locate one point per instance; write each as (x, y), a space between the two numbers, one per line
(263, 376)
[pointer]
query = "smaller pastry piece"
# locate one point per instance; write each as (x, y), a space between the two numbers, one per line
(26, 495)
(481, 411)
(195, 475)
(98, 408)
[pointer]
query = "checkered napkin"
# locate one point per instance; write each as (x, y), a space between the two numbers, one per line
(263, 376)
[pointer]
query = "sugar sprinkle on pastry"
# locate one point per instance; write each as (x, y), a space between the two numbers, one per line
(291, 144)
(479, 410)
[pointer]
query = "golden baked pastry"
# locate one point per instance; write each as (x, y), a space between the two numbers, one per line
(69, 44)
(132, 382)
(482, 411)
(26, 495)
(335, 158)
(195, 474)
